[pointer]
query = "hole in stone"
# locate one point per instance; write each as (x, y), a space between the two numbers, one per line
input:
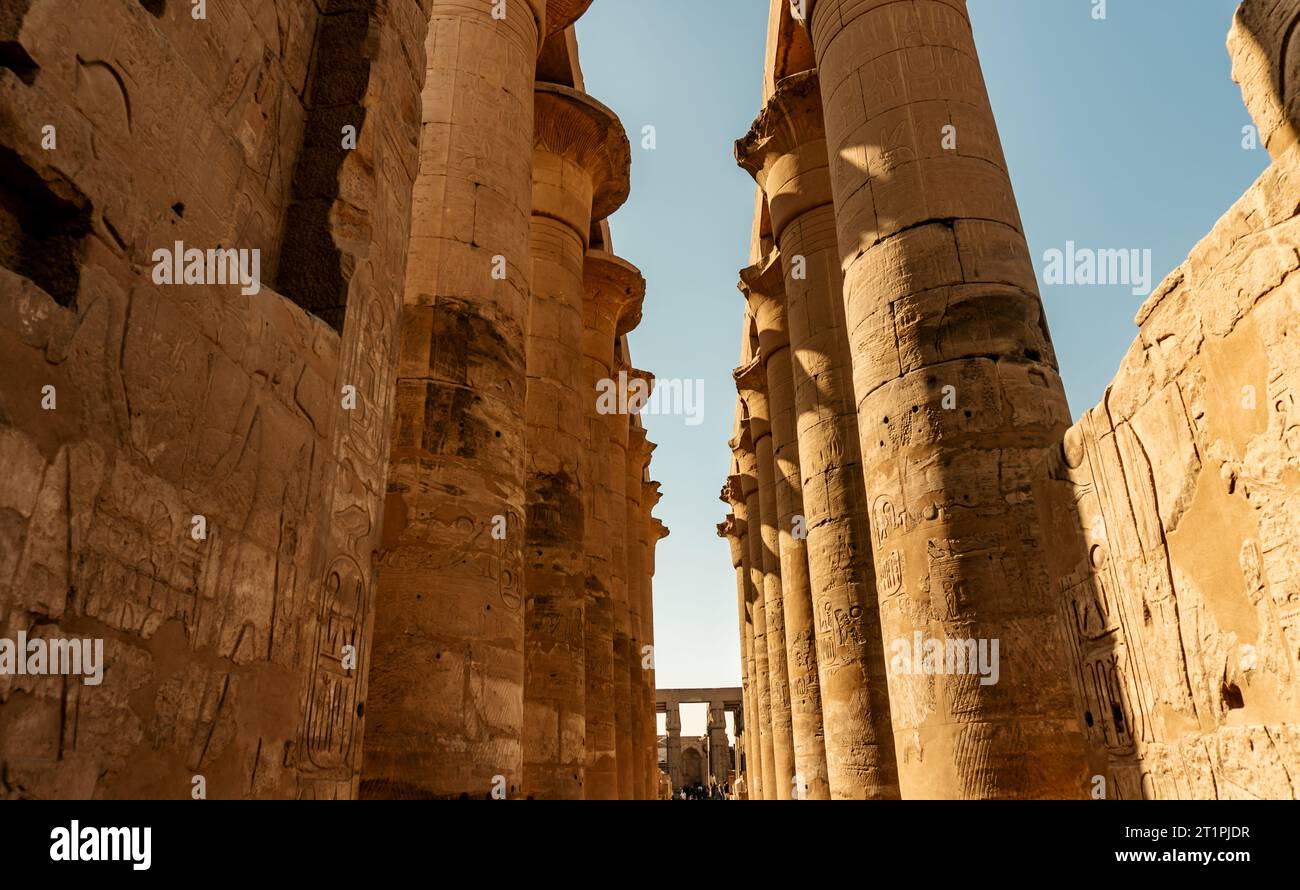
(886, 421)
(361, 709)
(1232, 698)
(1087, 717)
(12, 53)
(498, 434)
(155, 8)
(178, 208)
(1118, 716)
(41, 232)
(1033, 355)
(311, 268)
(967, 413)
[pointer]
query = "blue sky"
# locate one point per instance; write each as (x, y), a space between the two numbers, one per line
(1122, 133)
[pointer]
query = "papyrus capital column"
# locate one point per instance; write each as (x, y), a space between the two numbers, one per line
(785, 150)
(442, 722)
(629, 678)
(643, 671)
(736, 530)
(958, 400)
(614, 293)
(763, 286)
(765, 566)
(581, 162)
(743, 484)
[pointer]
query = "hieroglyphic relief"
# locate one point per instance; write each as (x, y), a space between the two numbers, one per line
(1181, 618)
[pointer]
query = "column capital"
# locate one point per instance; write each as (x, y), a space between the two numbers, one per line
(615, 292)
(638, 447)
(562, 13)
(733, 529)
(792, 117)
(751, 377)
(650, 495)
(572, 125)
(733, 493)
(763, 286)
(785, 150)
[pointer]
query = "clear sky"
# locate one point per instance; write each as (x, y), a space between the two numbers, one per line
(1122, 133)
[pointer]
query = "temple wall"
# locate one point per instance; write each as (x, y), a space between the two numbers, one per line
(1185, 485)
(224, 656)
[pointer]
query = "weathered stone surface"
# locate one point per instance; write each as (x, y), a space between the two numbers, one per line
(786, 152)
(1182, 490)
(751, 381)
(958, 553)
(1266, 64)
(240, 655)
(580, 156)
(614, 291)
(764, 290)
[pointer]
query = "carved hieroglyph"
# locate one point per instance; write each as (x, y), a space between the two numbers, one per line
(785, 150)
(751, 381)
(580, 172)
(940, 298)
(1183, 487)
(614, 291)
(198, 495)
(795, 671)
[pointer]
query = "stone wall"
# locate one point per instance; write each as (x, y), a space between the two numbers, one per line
(223, 652)
(1184, 484)
(1160, 529)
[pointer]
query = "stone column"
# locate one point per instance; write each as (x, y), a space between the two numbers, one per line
(764, 290)
(625, 691)
(735, 531)
(637, 513)
(785, 150)
(614, 290)
(581, 164)
(674, 749)
(743, 485)
(719, 749)
(758, 589)
(751, 380)
(440, 721)
(958, 397)
(652, 532)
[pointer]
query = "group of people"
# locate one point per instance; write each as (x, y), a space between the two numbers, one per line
(698, 792)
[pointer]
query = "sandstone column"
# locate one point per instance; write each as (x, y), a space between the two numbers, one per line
(614, 291)
(632, 769)
(752, 382)
(764, 290)
(581, 163)
(653, 532)
(785, 150)
(737, 529)
(734, 530)
(674, 749)
(445, 708)
(759, 450)
(957, 392)
(719, 749)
